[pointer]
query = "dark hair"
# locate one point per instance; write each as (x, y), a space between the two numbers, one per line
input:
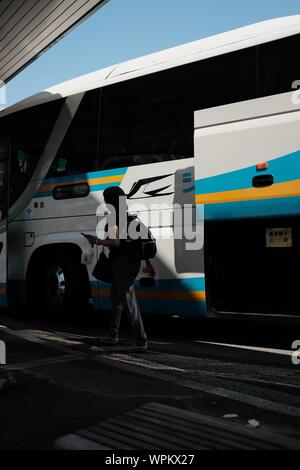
(112, 194)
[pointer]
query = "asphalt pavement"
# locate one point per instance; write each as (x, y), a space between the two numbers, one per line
(56, 383)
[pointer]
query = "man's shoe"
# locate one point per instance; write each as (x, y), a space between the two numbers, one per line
(109, 341)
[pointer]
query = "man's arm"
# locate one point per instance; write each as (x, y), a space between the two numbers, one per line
(113, 240)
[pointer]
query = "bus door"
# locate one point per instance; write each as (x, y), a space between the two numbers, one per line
(4, 161)
(247, 172)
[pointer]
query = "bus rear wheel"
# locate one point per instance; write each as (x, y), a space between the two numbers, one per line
(64, 287)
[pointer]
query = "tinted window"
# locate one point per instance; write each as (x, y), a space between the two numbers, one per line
(78, 151)
(150, 119)
(28, 132)
(4, 155)
(279, 65)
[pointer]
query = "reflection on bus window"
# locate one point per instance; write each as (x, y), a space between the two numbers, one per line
(279, 65)
(78, 151)
(150, 118)
(4, 155)
(28, 132)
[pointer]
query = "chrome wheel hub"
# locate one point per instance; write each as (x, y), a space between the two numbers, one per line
(56, 287)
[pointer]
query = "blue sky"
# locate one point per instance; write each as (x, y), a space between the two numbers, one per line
(125, 29)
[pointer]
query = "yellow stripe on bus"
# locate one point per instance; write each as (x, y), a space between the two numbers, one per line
(160, 295)
(2, 291)
(279, 190)
(91, 182)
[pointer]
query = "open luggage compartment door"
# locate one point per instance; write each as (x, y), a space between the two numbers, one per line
(247, 171)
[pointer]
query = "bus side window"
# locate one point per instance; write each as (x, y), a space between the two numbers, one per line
(4, 155)
(20, 170)
(78, 152)
(28, 132)
(279, 65)
(151, 118)
(62, 165)
(144, 121)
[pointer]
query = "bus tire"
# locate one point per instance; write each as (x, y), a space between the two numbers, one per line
(64, 286)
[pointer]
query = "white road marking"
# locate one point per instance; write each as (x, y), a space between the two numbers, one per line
(282, 352)
(202, 387)
(49, 336)
(42, 362)
(239, 372)
(160, 343)
(141, 362)
(29, 335)
(239, 378)
(154, 374)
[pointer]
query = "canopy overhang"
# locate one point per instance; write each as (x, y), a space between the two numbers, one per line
(29, 27)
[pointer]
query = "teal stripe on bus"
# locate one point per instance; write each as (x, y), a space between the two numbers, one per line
(3, 297)
(82, 177)
(85, 176)
(285, 168)
(183, 284)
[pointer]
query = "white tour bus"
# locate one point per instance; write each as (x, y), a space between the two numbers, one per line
(213, 124)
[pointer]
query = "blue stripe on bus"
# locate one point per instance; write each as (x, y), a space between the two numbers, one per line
(186, 284)
(183, 284)
(85, 176)
(44, 194)
(82, 177)
(101, 187)
(185, 308)
(285, 168)
(3, 298)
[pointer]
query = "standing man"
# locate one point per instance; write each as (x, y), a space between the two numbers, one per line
(125, 268)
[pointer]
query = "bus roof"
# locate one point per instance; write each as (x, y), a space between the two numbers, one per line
(223, 43)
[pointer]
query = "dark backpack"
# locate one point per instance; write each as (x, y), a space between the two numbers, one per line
(143, 247)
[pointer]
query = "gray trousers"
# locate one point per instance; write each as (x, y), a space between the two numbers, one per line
(123, 298)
